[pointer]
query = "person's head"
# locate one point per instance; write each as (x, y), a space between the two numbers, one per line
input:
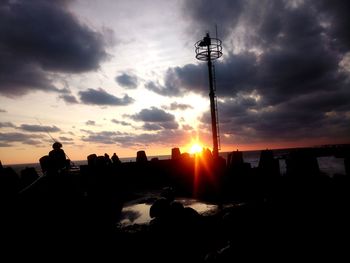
(57, 145)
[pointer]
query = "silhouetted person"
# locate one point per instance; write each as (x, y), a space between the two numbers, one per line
(45, 163)
(92, 159)
(101, 162)
(115, 159)
(57, 157)
(107, 159)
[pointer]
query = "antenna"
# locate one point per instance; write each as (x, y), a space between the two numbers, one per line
(210, 49)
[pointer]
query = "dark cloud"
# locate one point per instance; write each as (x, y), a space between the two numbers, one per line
(101, 97)
(176, 81)
(18, 78)
(153, 115)
(237, 72)
(65, 139)
(124, 123)
(177, 106)
(281, 76)
(6, 139)
(166, 138)
(204, 14)
(169, 125)
(32, 142)
(7, 125)
(336, 13)
(128, 81)
(91, 123)
(320, 116)
(162, 90)
(104, 137)
(39, 128)
(151, 127)
(39, 38)
(70, 99)
(187, 127)
(1, 110)
(156, 119)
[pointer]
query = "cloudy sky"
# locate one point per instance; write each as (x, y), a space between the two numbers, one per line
(121, 76)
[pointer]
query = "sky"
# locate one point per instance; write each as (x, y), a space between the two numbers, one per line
(121, 76)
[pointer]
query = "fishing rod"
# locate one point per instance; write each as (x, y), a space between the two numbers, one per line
(48, 133)
(46, 130)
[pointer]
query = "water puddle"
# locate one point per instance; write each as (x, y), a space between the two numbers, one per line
(139, 213)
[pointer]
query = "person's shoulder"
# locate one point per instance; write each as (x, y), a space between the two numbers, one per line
(61, 151)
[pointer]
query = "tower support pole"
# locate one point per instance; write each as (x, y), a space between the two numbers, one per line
(212, 107)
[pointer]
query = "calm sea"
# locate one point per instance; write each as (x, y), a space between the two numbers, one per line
(329, 165)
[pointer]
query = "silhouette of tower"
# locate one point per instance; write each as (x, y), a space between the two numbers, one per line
(210, 49)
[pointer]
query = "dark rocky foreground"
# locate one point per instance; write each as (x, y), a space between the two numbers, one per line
(69, 215)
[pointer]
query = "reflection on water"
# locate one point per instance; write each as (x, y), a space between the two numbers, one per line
(331, 165)
(200, 207)
(139, 213)
(135, 214)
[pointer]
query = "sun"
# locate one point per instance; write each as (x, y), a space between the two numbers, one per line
(196, 148)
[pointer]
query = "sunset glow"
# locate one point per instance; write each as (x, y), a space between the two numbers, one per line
(196, 148)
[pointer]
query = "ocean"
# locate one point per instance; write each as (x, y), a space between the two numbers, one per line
(329, 165)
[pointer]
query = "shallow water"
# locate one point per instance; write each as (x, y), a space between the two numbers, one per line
(139, 213)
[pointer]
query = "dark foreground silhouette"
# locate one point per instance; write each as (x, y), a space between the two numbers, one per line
(74, 213)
